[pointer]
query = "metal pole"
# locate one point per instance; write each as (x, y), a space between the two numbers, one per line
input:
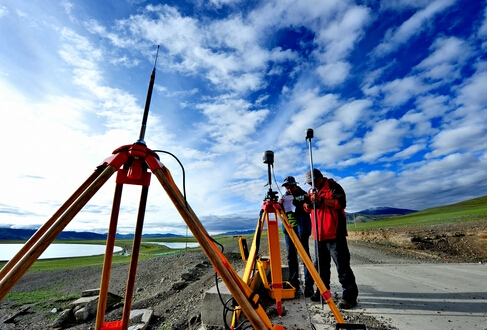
(147, 102)
(309, 136)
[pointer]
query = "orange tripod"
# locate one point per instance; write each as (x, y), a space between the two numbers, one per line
(131, 162)
(270, 213)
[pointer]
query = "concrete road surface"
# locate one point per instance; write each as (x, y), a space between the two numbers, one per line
(424, 296)
(413, 295)
(401, 292)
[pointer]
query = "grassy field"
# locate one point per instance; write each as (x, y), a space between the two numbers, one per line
(471, 210)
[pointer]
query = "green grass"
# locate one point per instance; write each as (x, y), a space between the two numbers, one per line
(471, 210)
(44, 295)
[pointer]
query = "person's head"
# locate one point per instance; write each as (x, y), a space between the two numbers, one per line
(290, 184)
(318, 177)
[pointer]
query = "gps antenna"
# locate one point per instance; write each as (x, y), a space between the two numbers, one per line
(147, 102)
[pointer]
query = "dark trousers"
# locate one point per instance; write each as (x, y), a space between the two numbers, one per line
(337, 250)
(292, 259)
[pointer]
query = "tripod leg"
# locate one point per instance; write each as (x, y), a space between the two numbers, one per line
(107, 263)
(325, 292)
(254, 249)
(275, 259)
(129, 291)
(38, 234)
(21, 267)
(251, 260)
(239, 290)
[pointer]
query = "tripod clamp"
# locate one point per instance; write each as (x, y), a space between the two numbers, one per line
(271, 196)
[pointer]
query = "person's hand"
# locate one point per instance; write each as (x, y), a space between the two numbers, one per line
(314, 197)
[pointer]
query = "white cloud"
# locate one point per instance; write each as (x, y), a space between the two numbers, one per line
(339, 37)
(446, 60)
(402, 5)
(472, 94)
(352, 112)
(399, 91)
(231, 123)
(395, 37)
(386, 136)
(459, 139)
(333, 74)
(310, 109)
(3, 11)
(482, 32)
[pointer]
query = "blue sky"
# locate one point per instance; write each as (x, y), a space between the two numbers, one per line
(395, 91)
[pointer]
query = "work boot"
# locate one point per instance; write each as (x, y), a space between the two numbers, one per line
(316, 296)
(308, 291)
(343, 304)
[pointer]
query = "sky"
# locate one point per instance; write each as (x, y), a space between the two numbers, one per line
(395, 92)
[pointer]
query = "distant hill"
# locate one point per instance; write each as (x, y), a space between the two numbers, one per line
(238, 232)
(385, 210)
(377, 213)
(10, 234)
(131, 236)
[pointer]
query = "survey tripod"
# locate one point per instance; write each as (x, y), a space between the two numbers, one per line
(269, 216)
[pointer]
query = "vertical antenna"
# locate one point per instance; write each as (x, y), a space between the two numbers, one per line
(147, 102)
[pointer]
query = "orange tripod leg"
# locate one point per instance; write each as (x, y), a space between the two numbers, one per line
(37, 248)
(251, 261)
(107, 262)
(325, 292)
(275, 259)
(129, 291)
(38, 234)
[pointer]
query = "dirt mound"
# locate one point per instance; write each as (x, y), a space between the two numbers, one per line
(455, 242)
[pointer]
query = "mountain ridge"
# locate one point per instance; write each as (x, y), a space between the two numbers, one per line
(20, 234)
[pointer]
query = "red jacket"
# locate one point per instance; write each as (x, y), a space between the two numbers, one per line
(331, 220)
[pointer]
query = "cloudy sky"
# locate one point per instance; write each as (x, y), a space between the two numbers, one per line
(395, 91)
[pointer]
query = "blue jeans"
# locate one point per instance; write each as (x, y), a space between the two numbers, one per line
(337, 250)
(292, 259)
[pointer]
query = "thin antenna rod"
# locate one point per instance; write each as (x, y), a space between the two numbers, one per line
(147, 102)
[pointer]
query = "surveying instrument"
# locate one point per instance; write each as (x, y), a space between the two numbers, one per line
(270, 267)
(134, 165)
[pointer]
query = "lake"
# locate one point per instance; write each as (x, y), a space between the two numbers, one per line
(176, 245)
(7, 251)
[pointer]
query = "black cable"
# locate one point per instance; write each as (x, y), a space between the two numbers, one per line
(184, 174)
(275, 181)
(214, 241)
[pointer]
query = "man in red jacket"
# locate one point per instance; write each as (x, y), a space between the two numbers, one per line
(327, 203)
